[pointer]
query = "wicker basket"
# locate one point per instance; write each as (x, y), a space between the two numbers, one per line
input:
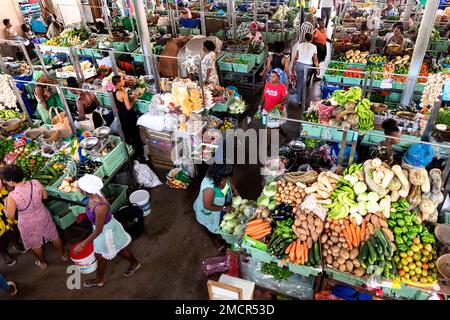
(378, 107)
(11, 125)
(51, 136)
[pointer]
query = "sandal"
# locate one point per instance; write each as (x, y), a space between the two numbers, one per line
(130, 271)
(12, 288)
(20, 249)
(11, 263)
(93, 284)
(41, 265)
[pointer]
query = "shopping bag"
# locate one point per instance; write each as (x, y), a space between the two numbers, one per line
(60, 122)
(145, 176)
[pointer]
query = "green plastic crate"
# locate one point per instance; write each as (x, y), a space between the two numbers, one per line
(258, 254)
(118, 191)
(64, 215)
(398, 85)
(115, 157)
(245, 68)
(445, 217)
(229, 238)
(223, 107)
(289, 34)
(119, 46)
(250, 242)
(419, 87)
(226, 66)
(357, 65)
(189, 31)
(376, 83)
(330, 78)
(303, 270)
(351, 81)
(408, 292)
(259, 58)
(312, 130)
(441, 45)
(344, 277)
(142, 106)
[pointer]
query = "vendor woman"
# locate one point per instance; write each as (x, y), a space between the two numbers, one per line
(46, 96)
(384, 150)
(396, 39)
(254, 34)
(215, 196)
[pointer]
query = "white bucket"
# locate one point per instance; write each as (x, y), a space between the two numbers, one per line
(142, 199)
(85, 260)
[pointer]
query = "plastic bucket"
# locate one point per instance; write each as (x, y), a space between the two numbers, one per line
(85, 259)
(142, 199)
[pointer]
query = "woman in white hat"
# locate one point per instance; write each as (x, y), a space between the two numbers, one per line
(109, 237)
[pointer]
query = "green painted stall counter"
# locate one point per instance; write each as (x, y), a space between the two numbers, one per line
(345, 277)
(311, 130)
(258, 254)
(304, 270)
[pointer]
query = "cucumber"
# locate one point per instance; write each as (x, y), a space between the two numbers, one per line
(373, 241)
(317, 252)
(380, 248)
(387, 251)
(372, 252)
(311, 257)
(52, 171)
(363, 263)
(43, 177)
(386, 272)
(388, 264)
(363, 251)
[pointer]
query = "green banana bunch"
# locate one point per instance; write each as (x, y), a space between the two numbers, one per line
(365, 115)
(353, 168)
(343, 199)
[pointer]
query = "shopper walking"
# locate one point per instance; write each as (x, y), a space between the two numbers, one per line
(340, 4)
(277, 60)
(208, 65)
(307, 27)
(8, 286)
(127, 116)
(384, 150)
(109, 237)
(326, 6)
(306, 56)
(35, 222)
(320, 39)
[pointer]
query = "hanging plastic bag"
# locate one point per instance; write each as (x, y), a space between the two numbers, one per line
(418, 155)
(145, 176)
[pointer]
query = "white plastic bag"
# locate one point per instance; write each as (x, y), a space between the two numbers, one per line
(145, 176)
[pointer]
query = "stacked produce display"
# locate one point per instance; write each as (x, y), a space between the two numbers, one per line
(373, 221)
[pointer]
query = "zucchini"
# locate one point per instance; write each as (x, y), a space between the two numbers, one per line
(388, 264)
(43, 177)
(373, 241)
(386, 272)
(311, 257)
(316, 252)
(381, 237)
(380, 249)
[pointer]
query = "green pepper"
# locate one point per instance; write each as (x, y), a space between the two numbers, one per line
(414, 229)
(405, 229)
(409, 243)
(400, 222)
(393, 216)
(392, 223)
(403, 203)
(402, 247)
(397, 230)
(405, 238)
(408, 219)
(398, 239)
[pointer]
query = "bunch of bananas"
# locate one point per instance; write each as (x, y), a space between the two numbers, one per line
(57, 41)
(353, 168)
(9, 114)
(365, 114)
(353, 94)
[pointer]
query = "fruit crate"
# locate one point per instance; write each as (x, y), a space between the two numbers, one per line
(312, 130)
(64, 215)
(332, 78)
(398, 85)
(115, 157)
(226, 66)
(344, 277)
(141, 106)
(245, 68)
(119, 192)
(441, 45)
(304, 270)
(229, 238)
(351, 81)
(419, 87)
(258, 254)
(189, 31)
(259, 58)
(357, 65)
(223, 107)
(376, 83)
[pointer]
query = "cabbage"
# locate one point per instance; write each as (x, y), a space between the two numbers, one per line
(236, 202)
(248, 211)
(354, 209)
(373, 197)
(353, 180)
(360, 187)
(238, 230)
(362, 197)
(270, 190)
(272, 205)
(229, 225)
(228, 216)
(372, 206)
(263, 201)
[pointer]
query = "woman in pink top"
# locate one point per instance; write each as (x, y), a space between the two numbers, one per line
(35, 222)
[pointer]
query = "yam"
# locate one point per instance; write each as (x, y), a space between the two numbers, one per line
(314, 236)
(374, 221)
(309, 242)
(353, 253)
(342, 268)
(334, 239)
(340, 260)
(319, 228)
(311, 227)
(344, 253)
(317, 221)
(304, 224)
(370, 228)
(324, 238)
(359, 272)
(310, 219)
(388, 233)
(301, 217)
(349, 266)
(383, 223)
(329, 260)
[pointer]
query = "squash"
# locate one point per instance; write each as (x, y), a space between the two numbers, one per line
(416, 177)
(426, 186)
(394, 184)
(402, 176)
(436, 180)
(385, 206)
(426, 207)
(370, 182)
(388, 175)
(395, 196)
(414, 198)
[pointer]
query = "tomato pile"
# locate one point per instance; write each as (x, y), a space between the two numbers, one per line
(353, 72)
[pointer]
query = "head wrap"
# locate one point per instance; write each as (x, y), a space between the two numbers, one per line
(90, 184)
(37, 75)
(253, 25)
(278, 71)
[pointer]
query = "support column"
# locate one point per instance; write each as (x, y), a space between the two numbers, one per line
(419, 49)
(144, 34)
(408, 10)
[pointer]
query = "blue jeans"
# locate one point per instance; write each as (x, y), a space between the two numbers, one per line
(300, 73)
(3, 284)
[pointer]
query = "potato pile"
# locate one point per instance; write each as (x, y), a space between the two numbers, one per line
(336, 251)
(291, 188)
(307, 227)
(356, 56)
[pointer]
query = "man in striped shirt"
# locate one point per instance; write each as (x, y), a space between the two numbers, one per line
(307, 27)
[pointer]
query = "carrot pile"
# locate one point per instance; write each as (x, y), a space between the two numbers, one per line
(354, 233)
(297, 252)
(258, 229)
